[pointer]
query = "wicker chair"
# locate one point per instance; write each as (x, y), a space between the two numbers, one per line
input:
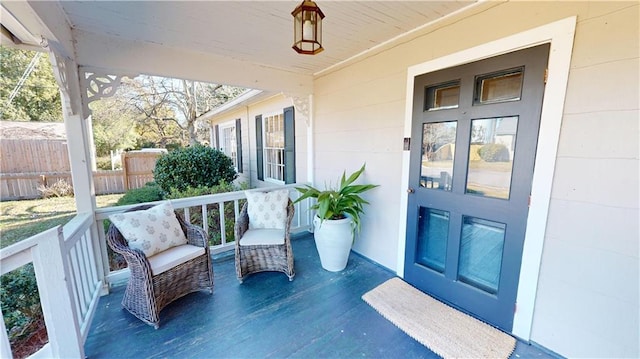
(256, 258)
(147, 294)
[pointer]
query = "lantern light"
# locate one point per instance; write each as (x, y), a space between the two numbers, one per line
(307, 28)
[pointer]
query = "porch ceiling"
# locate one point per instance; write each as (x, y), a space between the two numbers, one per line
(253, 37)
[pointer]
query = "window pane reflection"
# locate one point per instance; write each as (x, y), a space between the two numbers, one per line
(481, 246)
(491, 156)
(438, 149)
(433, 231)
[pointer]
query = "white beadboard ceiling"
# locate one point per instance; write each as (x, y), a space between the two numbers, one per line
(256, 32)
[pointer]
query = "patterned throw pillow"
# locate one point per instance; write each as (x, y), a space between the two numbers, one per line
(152, 231)
(267, 209)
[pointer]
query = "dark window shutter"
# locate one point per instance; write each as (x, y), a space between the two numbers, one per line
(239, 146)
(289, 145)
(259, 155)
(216, 137)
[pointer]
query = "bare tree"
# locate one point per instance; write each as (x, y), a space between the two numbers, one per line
(182, 102)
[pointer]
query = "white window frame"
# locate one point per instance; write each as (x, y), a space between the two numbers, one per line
(229, 148)
(273, 156)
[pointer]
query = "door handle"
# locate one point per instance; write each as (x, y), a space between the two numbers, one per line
(410, 190)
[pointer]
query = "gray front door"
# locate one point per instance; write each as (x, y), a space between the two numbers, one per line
(474, 133)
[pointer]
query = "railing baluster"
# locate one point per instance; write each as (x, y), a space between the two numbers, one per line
(84, 270)
(75, 290)
(205, 218)
(223, 231)
(236, 209)
(86, 238)
(5, 346)
(187, 216)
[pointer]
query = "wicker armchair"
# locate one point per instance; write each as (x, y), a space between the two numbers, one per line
(147, 294)
(254, 258)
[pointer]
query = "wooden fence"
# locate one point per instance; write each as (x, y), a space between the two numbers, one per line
(137, 171)
(29, 156)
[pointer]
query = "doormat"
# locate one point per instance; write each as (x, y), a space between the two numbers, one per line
(444, 330)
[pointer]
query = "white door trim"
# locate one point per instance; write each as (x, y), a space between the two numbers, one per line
(560, 35)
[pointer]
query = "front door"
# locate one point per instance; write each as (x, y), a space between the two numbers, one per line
(474, 134)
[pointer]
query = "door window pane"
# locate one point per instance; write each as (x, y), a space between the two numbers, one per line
(443, 96)
(481, 245)
(433, 231)
(438, 149)
(499, 87)
(493, 142)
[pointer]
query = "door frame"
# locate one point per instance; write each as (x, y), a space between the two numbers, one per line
(560, 35)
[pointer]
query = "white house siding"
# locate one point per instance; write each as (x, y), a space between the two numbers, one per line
(247, 115)
(587, 300)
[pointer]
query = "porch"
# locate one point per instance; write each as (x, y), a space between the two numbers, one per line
(318, 314)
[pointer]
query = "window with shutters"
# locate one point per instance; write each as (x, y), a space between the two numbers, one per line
(275, 145)
(273, 130)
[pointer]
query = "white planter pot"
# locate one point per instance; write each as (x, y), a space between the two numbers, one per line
(333, 241)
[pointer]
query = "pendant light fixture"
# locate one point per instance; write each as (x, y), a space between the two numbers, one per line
(307, 28)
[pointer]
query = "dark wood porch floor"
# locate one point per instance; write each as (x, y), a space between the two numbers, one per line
(318, 315)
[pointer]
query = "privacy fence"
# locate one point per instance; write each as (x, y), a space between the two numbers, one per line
(26, 165)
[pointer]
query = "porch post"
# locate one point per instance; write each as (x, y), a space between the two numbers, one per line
(67, 75)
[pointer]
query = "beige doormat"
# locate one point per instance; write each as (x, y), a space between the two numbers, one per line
(444, 330)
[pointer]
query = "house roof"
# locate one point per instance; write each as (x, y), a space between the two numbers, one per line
(18, 130)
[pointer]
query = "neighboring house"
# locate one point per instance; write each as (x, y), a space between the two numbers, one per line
(564, 224)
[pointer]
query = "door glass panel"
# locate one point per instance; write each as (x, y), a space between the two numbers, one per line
(443, 96)
(438, 147)
(433, 231)
(493, 142)
(499, 87)
(481, 245)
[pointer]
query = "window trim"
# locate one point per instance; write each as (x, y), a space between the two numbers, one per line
(220, 140)
(264, 148)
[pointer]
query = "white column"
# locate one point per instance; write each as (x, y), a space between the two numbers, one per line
(79, 144)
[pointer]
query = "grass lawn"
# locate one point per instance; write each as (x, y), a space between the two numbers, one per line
(22, 219)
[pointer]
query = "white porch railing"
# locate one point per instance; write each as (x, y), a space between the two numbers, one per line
(68, 283)
(302, 221)
(72, 267)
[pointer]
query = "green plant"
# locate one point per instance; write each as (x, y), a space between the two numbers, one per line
(213, 211)
(151, 192)
(494, 152)
(20, 300)
(193, 166)
(341, 202)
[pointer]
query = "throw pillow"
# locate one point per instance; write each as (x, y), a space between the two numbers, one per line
(152, 230)
(267, 209)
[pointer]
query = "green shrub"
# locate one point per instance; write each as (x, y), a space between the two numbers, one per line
(104, 163)
(20, 300)
(494, 152)
(213, 211)
(194, 166)
(151, 192)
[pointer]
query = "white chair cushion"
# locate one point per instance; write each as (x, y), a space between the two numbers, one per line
(265, 236)
(172, 257)
(267, 209)
(152, 230)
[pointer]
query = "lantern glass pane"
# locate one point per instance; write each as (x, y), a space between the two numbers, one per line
(297, 27)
